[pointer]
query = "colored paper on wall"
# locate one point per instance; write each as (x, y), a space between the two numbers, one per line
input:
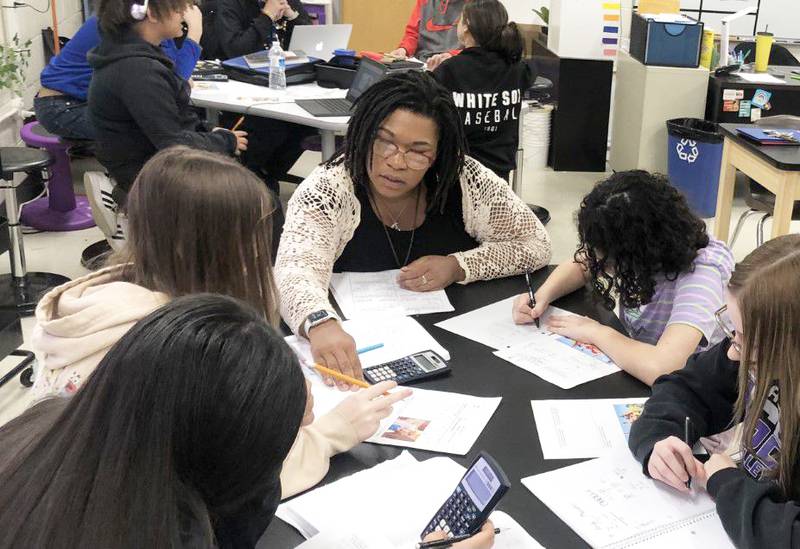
(659, 6)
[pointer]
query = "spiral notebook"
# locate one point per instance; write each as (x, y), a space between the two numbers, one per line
(611, 504)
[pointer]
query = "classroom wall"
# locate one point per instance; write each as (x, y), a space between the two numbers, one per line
(28, 24)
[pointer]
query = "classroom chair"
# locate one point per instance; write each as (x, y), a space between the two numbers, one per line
(20, 290)
(758, 199)
(60, 210)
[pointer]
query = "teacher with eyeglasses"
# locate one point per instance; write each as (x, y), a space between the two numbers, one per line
(402, 194)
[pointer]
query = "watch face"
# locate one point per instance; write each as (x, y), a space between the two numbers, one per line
(317, 316)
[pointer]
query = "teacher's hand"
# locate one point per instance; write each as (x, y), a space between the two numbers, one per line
(334, 348)
(429, 273)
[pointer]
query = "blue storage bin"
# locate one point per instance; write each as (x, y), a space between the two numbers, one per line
(666, 44)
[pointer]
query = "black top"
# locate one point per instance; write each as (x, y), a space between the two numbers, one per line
(753, 511)
(782, 157)
(138, 106)
(439, 234)
(242, 27)
(487, 90)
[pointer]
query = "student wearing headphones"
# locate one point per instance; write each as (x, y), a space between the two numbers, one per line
(61, 104)
(137, 104)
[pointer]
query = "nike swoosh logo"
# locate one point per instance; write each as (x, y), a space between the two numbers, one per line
(437, 28)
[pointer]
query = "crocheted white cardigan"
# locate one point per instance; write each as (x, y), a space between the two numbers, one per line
(324, 212)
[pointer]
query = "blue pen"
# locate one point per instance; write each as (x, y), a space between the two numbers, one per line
(369, 348)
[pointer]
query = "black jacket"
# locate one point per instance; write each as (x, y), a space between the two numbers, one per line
(138, 106)
(755, 514)
(242, 28)
(488, 91)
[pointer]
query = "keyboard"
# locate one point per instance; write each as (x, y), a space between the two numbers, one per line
(326, 107)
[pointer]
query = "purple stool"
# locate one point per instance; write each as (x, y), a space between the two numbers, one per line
(60, 210)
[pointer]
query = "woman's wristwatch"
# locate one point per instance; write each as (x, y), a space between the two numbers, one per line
(318, 317)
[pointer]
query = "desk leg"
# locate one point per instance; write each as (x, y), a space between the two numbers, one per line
(328, 144)
(784, 203)
(727, 181)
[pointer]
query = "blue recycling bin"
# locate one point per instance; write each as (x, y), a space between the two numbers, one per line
(694, 159)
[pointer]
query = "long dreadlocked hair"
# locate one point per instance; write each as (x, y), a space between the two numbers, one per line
(419, 93)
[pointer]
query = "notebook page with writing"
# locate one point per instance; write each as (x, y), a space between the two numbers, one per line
(611, 504)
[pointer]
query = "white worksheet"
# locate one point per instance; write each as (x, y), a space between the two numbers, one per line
(437, 421)
(611, 504)
(362, 295)
(396, 500)
(494, 326)
(559, 360)
(572, 429)
(400, 336)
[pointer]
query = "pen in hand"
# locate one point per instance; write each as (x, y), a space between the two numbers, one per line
(531, 297)
(687, 424)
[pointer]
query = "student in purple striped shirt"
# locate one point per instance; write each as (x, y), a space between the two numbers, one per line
(641, 244)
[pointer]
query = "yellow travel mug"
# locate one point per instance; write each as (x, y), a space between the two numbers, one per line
(764, 42)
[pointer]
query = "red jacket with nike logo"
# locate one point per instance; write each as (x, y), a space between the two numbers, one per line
(431, 29)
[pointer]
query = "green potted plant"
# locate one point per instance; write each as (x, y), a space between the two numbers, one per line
(544, 15)
(13, 62)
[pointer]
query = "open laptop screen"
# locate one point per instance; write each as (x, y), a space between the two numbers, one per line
(368, 73)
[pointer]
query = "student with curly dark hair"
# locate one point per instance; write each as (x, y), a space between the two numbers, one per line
(640, 243)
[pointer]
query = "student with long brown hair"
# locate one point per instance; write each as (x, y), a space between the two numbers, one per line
(751, 378)
(198, 222)
(176, 440)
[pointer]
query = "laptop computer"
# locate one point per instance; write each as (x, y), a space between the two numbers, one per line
(368, 73)
(320, 40)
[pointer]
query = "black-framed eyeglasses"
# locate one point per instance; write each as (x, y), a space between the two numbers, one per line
(413, 159)
(725, 324)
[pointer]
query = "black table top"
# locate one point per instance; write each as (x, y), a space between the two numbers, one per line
(782, 157)
(510, 435)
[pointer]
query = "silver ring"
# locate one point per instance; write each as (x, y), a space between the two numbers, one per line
(424, 280)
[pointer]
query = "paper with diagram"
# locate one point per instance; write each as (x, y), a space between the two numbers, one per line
(571, 429)
(396, 500)
(611, 504)
(362, 295)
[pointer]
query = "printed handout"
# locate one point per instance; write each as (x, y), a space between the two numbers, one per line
(378, 294)
(572, 429)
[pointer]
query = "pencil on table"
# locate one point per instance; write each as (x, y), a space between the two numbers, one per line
(342, 377)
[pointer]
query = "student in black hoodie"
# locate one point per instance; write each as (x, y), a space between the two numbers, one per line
(137, 104)
(487, 80)
(751, 378)
(247, 26)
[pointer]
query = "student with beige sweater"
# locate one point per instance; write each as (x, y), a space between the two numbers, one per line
(199, 222)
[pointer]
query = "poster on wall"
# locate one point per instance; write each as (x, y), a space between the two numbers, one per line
(585, 29)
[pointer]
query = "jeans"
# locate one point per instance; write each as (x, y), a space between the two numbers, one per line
(64, 116)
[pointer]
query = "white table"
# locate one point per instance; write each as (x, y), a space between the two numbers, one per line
(261, 101)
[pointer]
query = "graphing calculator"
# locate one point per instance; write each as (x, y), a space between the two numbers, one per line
(468, 507)
(416, 367)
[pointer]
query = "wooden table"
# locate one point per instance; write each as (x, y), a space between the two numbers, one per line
(775, 168)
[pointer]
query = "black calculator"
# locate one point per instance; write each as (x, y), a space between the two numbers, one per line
(416, 367)
(474, 499)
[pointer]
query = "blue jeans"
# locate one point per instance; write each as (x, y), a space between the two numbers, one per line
(64, 116)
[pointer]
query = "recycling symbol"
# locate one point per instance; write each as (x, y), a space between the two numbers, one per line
(687, 150)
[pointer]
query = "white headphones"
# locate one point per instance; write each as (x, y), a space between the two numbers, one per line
(139, 11)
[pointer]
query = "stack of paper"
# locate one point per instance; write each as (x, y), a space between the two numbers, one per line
(611, 504)
(362, 295)
(395, 502)
(571, 429)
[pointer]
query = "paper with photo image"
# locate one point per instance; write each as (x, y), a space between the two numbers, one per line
(559, 360)
(572, 429)
(361, 295)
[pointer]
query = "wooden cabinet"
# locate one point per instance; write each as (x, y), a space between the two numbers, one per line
(378, 25)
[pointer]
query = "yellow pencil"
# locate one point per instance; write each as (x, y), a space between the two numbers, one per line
(341, 377)
(238, 123)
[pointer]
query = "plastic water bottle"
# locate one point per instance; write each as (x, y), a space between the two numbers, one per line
(277, 67)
